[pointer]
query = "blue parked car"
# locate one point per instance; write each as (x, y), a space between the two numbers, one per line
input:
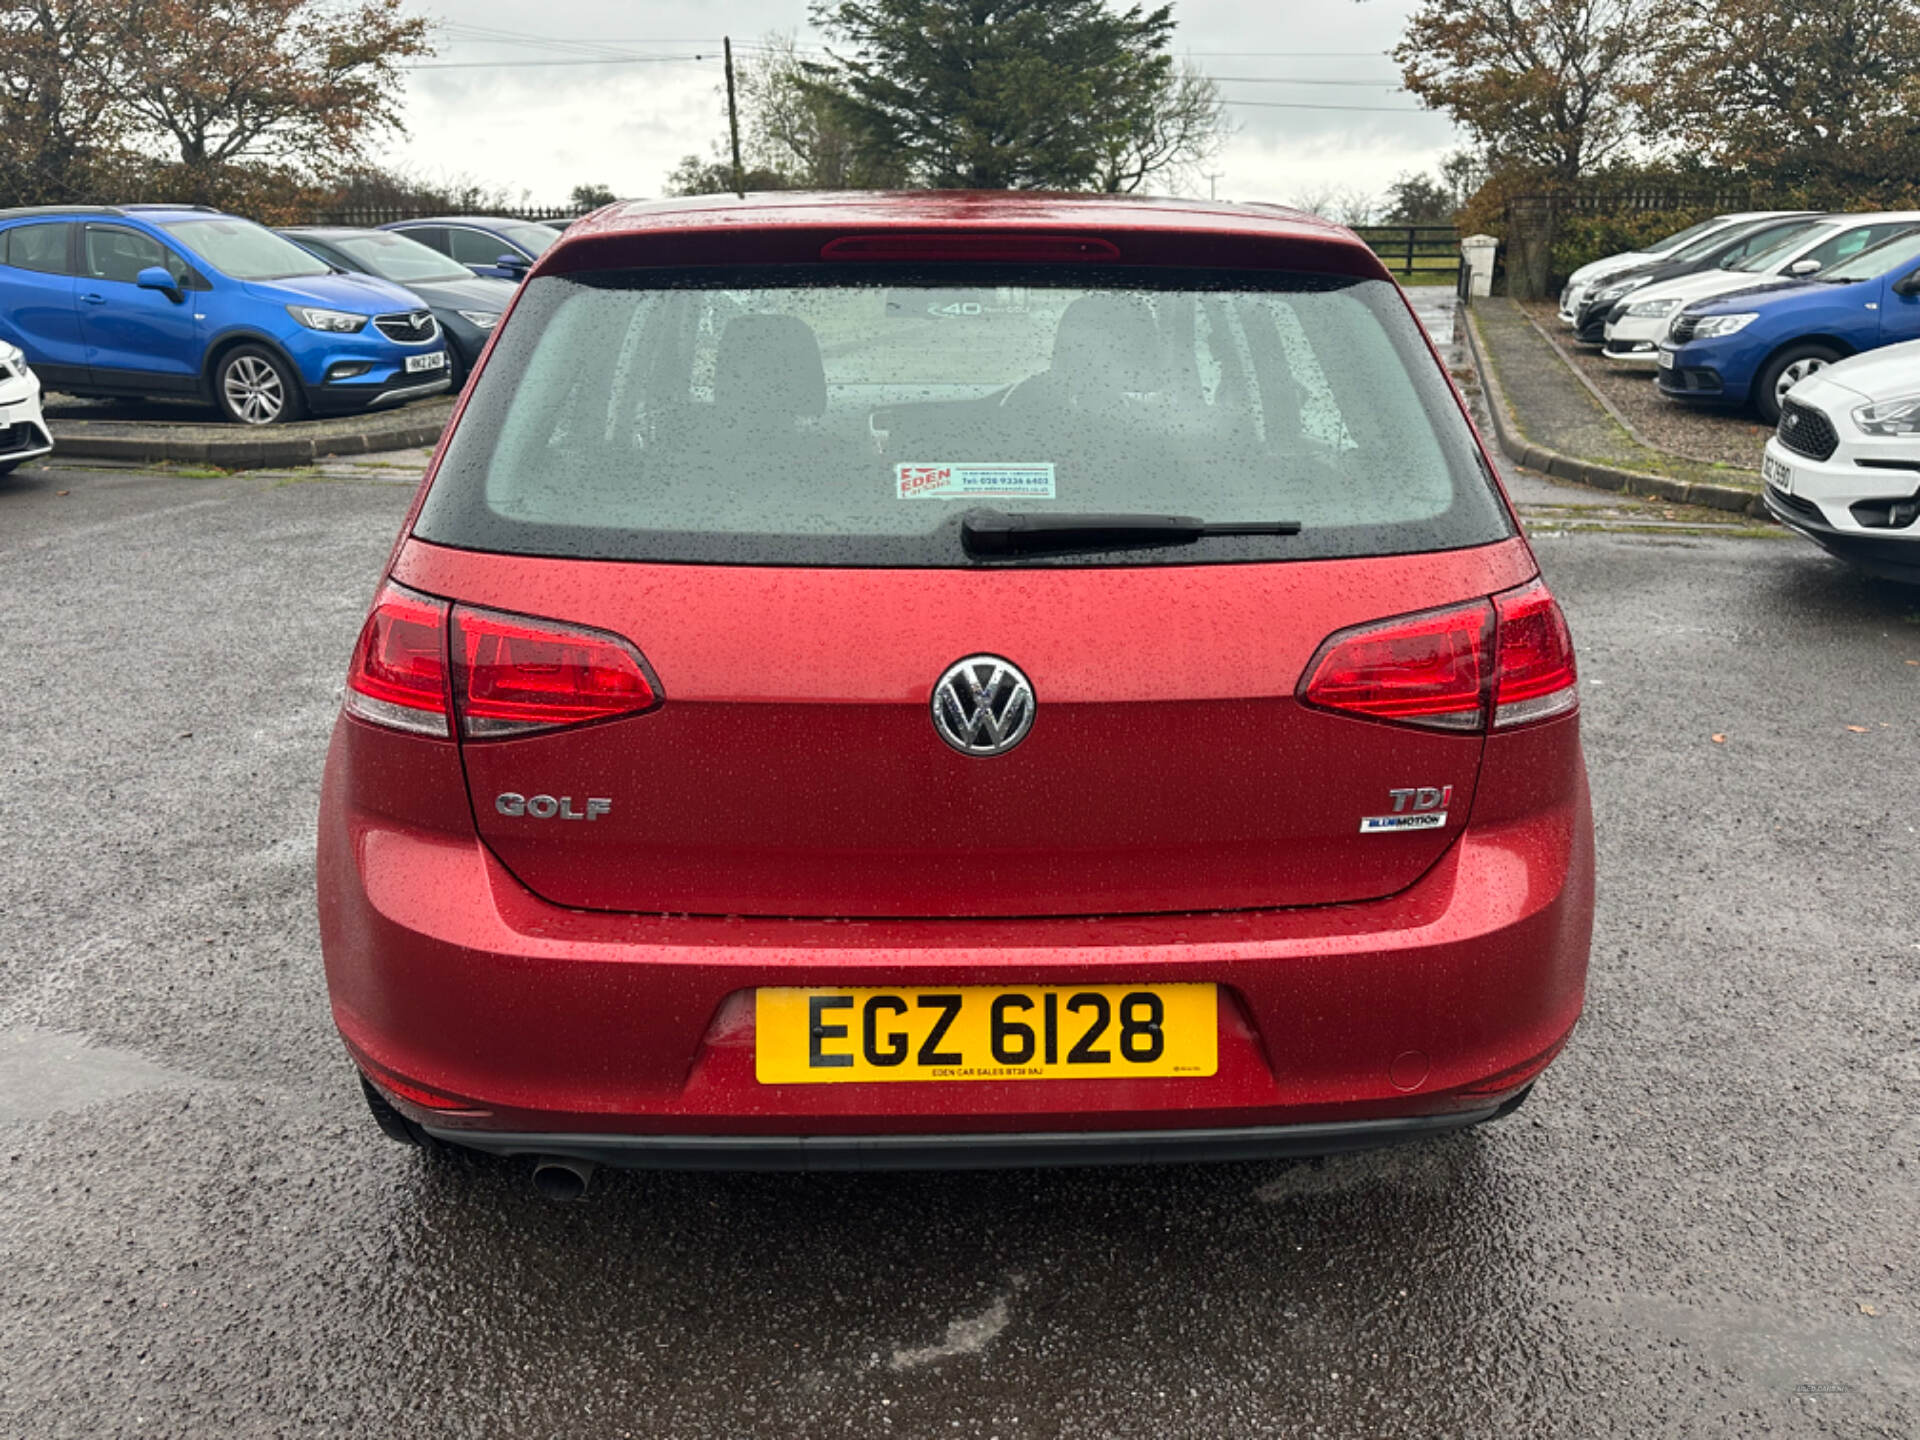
(1752, 346)
(502, 249)
(170, 300)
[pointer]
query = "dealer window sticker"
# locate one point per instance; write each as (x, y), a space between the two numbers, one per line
(969, 480)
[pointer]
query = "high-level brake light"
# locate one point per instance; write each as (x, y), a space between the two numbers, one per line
(939, 245)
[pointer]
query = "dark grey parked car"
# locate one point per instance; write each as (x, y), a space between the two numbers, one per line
(467, 306)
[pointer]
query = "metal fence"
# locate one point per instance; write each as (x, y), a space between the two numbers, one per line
(1638, 200)
(371, 215)
(1415, 251)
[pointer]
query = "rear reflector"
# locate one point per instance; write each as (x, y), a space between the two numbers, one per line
(1536, 671)
(515, 675)
(1448, 669)
(1516, 1076)
(936, 245)
(399, 673)
(412, 1091)
(1428, 669)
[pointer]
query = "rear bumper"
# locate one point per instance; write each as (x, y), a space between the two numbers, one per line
(972, 1152)
(499, 1020)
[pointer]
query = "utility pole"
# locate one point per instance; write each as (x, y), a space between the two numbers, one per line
(1213, 183)
(733, 121)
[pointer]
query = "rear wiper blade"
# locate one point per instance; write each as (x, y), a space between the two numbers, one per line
(994, 532)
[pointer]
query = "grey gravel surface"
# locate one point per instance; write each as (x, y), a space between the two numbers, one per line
(1702, 1224)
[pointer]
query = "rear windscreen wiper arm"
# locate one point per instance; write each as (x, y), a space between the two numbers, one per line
(994, 532)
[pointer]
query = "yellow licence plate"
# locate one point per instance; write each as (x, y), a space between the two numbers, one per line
(981, 1032)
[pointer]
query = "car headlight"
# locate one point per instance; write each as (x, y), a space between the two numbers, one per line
(339, 322)
(485, 319)
(1712, 327)
(1653, 309)
(1890, 417)
(1616, 290)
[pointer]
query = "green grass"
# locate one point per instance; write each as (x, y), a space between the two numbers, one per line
(1425, 277)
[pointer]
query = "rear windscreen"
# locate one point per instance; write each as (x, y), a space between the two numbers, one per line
(858, 418)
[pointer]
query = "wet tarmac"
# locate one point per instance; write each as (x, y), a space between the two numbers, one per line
(1703, 1222)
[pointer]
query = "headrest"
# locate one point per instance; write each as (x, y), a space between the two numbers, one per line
(768, 366)
(1108, 342)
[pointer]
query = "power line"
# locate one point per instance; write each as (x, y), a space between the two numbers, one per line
(1293, 54)
(573, 60)
(1298, 80)
(548, 64)
(465, 35)
(1309, 105)
(601, 52)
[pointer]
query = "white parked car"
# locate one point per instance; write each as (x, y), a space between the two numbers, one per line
(1634, 338)
(1585, 278)
(1843, 468)
(23, 430)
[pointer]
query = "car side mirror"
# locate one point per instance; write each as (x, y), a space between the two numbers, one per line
(516, 263)
(1907, 284)
(1804, 267)
(155, 277)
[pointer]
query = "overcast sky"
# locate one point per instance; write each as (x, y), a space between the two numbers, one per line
(482, 112)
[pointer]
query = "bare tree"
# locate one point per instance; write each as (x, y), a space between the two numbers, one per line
(1172, 138)
(796, 127)
(1342, 204)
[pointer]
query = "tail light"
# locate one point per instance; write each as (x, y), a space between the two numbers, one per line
(516, 675)
(509, 674)
(1448, 669)
(1426, 669)
(399, 673)
(1536, 677)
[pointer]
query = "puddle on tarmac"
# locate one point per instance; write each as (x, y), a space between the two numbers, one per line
(46, 1072)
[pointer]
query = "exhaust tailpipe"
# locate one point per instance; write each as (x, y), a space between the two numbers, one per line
(558, 1178)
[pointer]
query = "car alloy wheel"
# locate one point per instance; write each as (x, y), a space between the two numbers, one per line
(1795, 373)
(255, 390)
(1785, 370)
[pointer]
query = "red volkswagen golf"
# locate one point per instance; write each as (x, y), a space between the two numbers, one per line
(955, 679)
